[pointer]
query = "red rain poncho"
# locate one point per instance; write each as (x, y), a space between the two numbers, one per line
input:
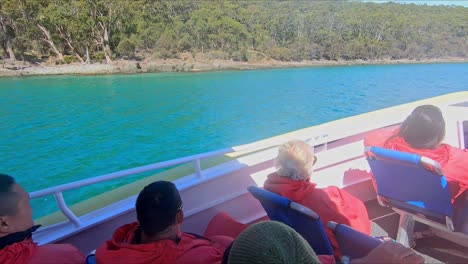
(331, 203)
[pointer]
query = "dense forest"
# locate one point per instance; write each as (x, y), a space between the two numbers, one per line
(103, 30)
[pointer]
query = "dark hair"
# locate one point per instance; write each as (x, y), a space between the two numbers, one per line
(424, 128)
(9, 198)
(157, 206)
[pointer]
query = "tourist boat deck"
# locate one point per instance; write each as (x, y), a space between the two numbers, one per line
(217, 181)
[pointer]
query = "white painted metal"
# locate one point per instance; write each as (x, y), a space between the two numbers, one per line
(405, 230)
(124, 173)
(198, 167)
(64, 208)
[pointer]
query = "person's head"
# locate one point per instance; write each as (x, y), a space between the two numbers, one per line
(159, 208)
(295, 160)
(270, 242)
(424, 128)
(15, 209)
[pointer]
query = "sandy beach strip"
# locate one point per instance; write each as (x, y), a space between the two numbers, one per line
(178, 65)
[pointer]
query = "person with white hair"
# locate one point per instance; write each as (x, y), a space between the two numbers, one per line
(292, 180)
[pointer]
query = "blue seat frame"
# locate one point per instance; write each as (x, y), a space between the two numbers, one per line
(414, 187)
(305, 221)
(91, 259)
(353, 243)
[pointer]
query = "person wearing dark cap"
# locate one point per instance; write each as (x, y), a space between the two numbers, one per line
(157, 236)
(17, 226)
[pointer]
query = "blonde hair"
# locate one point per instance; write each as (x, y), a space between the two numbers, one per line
(295, 160)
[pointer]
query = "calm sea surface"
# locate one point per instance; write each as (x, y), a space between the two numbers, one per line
(55, 130)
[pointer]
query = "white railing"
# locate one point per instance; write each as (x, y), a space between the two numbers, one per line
(57, 191)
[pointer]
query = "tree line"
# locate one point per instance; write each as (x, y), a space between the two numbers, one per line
(104, 30)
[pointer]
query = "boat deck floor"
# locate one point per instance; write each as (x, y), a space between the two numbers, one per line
(434, 249)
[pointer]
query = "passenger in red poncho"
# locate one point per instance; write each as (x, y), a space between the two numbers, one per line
(422, 133)
(17, 226)
(157, 236)
(292, 180)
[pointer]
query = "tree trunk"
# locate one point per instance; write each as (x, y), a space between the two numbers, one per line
(72, 49)
(79, 57)
(4, 49)
(87, 56)
(48, 40)
(68, 40)
(106, 47)
(9, 49)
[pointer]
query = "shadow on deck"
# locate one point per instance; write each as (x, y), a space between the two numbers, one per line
(434, 249)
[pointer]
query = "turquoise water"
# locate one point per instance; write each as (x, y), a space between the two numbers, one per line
(64, 128)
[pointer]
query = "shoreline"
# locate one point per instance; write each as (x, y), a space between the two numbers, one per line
(178, 65)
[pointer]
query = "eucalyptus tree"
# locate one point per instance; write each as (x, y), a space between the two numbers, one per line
(285, 30)
(7, 32)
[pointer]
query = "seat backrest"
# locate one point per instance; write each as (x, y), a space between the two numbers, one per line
(409, 181)
(353, 243)
(305, 221)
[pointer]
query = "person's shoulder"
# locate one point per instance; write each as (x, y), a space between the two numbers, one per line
(218, 241)
(329, 189)
(57, 253)
(333, 191)
(198, 249)
(453, 153)
(19, 252)
(321, 198)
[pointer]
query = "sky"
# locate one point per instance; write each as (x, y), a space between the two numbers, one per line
(427, 2)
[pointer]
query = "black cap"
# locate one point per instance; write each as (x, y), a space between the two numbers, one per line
(157, 206)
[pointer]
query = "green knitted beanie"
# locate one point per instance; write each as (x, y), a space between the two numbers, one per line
(271, 242)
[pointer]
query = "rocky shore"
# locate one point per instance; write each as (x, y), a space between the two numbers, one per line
(181, 65)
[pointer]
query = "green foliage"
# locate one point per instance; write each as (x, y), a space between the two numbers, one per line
(282, 54)
(70, 59)
(126, 47)
(237, 30)
(164, 54)
(217, 54)
(98, 56)
(240, 55)
(185, 42)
